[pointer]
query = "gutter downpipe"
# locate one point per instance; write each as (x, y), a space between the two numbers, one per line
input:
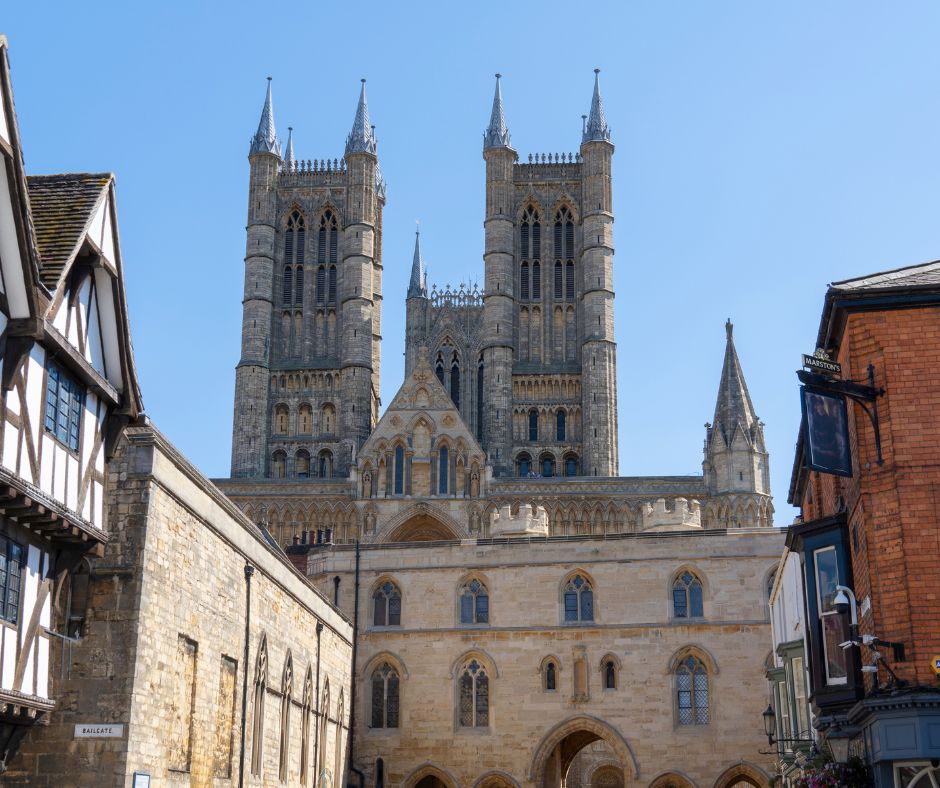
(316, 739)
(352, 683)
(249, 571)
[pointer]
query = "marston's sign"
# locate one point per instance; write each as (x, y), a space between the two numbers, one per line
(821, 363)
(101, 730)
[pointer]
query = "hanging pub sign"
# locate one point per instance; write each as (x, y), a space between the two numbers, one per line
(820, 362)
(826, 433)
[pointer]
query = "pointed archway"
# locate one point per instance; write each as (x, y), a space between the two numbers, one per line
(421, 523)
(561, 744)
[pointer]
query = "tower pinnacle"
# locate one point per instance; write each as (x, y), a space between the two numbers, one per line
(361, 139)
(734, 408)
(597, 129)
(418, 286)
(289, 153)
(265, 139)
(497, 133)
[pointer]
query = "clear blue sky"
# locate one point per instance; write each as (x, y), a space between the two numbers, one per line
(762, 151)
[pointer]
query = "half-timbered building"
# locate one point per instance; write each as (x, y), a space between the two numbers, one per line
(68, 386)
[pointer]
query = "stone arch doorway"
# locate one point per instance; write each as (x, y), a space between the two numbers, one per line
(559, 748)
(429, 776)
(421, 523)
(743, 775)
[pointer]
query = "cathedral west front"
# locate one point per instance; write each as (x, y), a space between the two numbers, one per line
(523, 615)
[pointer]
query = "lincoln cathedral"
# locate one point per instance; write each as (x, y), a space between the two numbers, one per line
(523, 615)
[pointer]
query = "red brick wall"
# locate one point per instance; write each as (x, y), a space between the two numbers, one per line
(894, 522)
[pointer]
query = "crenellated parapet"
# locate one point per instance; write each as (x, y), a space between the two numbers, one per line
(528, 521)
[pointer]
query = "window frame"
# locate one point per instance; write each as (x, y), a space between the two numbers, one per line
(8, 585)
(475, 596)
(590, 587)
(382, 587)
(682, 665)
(392, 673)
(483, 670)
(76, 393)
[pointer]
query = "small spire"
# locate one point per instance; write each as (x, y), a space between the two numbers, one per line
(734, 407)
(497, 133)
(361, 139)
(289, 154)
(597, 129)
(418, 286)
(265, 139)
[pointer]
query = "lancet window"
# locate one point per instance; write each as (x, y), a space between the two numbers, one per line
(474, 603)
(294, 243)
(687, 596)
(385, 688)
(692, 692)
(579, 599)
(386, 605)
(474, 696)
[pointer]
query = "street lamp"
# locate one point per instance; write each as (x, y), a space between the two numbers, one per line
(839, 739)
(770, 728)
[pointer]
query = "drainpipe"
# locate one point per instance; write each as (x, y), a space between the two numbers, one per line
(352, 683)
(249, 571)
(316, 738)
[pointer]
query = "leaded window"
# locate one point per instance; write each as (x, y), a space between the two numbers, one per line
(579, 599)
(692, 692)
(524, 282)
(474, 696)
(11, 573)
(687, 596)
(385, 685)
(536, 281)
(569, 280)
(386, 603)
(558, 292)
(64, 400)
(474, 603)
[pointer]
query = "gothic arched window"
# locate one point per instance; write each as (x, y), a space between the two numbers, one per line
(327, 238)
(692, 692)
(480, 399)
(258, 696)
(687, 596)
(610, 674)
(558, 291)
(455, 380)
(524, 282)
(306, 711)
(386, 605)
(547, 465)
(551, 677)
(569, 280)
(474, 603)
(442, 469)
(533, 425)
(278, 464)
(525, 465)
(579, 599)
(571, 465)
(325, 464)
(287, 689)
(473, 696)
(321, 736)
(560, 425)
(385, 684)
(281, 419)
(536, 281)
(331, 295)
(305, 420)
(327, 419)
(399, 470)
(439, 368)
(299, 286)
(302, 464)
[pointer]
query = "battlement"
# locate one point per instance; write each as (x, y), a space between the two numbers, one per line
(462, 295)
(528, 522)
(674, 514)
(549, 167)
(316, 172)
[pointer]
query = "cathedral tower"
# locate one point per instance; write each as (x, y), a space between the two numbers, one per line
(307, 383)
(549, 356)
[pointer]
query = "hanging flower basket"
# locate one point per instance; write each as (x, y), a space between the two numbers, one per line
(823, 772)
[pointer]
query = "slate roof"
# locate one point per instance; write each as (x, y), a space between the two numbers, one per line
(912, 276)
(61, 208)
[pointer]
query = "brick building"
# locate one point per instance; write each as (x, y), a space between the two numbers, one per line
(875, 532)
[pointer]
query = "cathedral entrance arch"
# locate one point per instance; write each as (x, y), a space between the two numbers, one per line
(557, 750)
(743, 775)
(421, 523)
(429, 776)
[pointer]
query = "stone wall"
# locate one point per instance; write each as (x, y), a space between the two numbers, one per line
(633, 625)
(163, 652)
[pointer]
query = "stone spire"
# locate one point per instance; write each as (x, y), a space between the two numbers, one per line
(265, 139)
(361, 139)
(418, 287)
(734, 407)
(596, 129)
(497, 133)
(289, 153)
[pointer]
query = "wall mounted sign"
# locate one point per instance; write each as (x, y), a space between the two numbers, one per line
(99, 730)
(820, 362)
(826, 432)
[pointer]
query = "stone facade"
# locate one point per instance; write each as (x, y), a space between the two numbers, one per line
(164, 649)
